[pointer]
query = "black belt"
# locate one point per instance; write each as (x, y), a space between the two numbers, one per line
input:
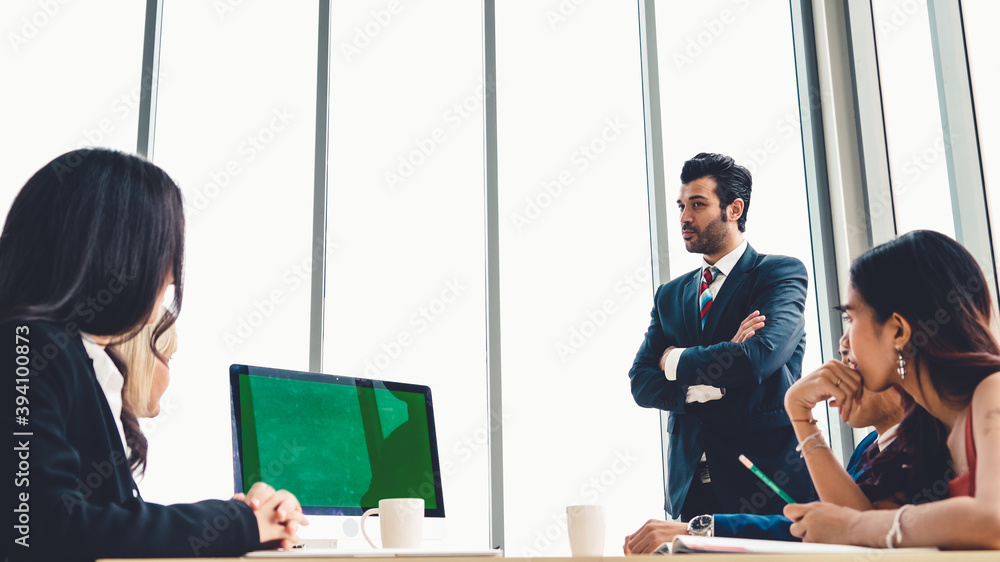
(701, 472)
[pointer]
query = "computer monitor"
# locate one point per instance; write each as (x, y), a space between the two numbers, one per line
(340, 444)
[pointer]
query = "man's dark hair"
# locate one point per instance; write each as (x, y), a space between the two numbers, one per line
(732, 180)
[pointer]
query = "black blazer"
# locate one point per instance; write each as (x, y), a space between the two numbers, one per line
(750, 419)
(76, 493)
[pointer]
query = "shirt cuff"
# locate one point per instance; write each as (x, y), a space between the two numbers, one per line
(703, 393)
(670, 365)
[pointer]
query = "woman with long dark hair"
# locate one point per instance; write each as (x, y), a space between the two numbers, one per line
(919, 312)
(89, 248)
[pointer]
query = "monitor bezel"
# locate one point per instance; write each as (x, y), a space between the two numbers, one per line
(236, 371)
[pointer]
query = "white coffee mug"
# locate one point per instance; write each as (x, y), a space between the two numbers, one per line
(586, 529)
(401, 522)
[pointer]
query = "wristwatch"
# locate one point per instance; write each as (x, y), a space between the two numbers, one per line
(702, 526)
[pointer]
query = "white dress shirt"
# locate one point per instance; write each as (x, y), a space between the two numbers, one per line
(111, 381)
(701, 392)
(884, 439)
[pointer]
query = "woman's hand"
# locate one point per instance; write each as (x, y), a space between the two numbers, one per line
(279, 515)
(652, 534)
(822, 522)
(833, 380)
(258, 494)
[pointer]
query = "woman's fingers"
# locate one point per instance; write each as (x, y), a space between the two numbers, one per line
(848, 385)
(796, 511)
(289, 510)
(286, 508)
(261, 488)
(258, 494)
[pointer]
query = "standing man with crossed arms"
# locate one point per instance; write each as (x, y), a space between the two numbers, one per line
(705, 363)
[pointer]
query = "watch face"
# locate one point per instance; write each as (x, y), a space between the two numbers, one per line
(700, 524)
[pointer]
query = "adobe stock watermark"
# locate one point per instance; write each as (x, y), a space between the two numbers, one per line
(92, 480)
(597, 317)
(247, 151)
(469, 446)
(292, 279)
(901, 14)
(31, 25)
(419, 322)
(424, 146)
(121, 108)
(925, 329)
(698, 43)
(472, 443)
(561, 11)
(753, 503)
(368, 31)
(212, 529)
(168, 408)
(225, 7)
(85, 312)
(786, 129)
(290, 453)
(591, 492)
(585, 155)
(911, 169)
(923, 160)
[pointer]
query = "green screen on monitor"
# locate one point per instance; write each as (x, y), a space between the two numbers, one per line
(340, 444)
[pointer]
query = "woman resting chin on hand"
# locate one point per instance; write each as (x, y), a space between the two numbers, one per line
(919, 312)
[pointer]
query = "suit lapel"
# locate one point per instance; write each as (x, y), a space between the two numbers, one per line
(732, 285)
(690, 307)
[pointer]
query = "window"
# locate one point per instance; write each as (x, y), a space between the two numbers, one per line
(984, 58)
(916, 142)
(235, 128)
(575, 272)
(72, 76)
(405, 297)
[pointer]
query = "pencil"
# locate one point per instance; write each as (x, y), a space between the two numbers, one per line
(746, 462)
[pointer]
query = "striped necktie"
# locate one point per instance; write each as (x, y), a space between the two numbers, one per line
(705, 296)
(862, 473)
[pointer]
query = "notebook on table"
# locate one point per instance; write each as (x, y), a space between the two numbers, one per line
(372, 553)
(687, 544)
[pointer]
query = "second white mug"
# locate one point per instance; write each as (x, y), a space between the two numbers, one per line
(401, 522)
(586, 529)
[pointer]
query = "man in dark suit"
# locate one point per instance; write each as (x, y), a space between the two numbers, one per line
(705, 363)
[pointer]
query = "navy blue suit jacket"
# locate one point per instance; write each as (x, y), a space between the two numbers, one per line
(776, 527)
(750, 419)
(78, 497)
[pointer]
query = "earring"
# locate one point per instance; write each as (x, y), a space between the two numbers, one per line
(901, 364)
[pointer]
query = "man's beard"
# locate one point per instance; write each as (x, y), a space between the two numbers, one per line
(710, 239)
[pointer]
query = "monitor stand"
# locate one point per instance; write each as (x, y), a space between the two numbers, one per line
(331, 531)
(317, 543)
